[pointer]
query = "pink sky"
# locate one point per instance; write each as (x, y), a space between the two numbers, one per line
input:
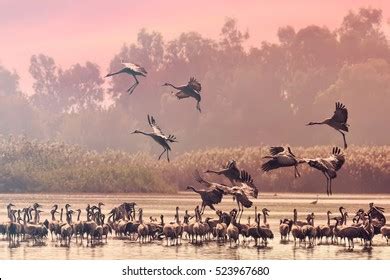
(95, 30)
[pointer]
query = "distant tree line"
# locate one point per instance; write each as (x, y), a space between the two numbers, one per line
(250, 97)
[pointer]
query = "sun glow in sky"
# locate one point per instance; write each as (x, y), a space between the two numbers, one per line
(94, 30)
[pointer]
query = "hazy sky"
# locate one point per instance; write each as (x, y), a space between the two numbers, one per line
(95, 30)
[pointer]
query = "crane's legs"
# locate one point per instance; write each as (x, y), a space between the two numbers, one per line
(198, 107)
(132, 88)
(240, 210)
(327, 184)
(167, 155)
(345, 142)
(330, 186)
(202, 209)
(297, 174)
(165, 150)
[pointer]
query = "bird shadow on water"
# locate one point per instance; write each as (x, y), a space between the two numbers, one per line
(353, 253)
(37, 244)
(13, 245)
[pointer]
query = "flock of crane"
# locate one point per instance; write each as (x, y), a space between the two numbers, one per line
(25, 225)
(279, 156)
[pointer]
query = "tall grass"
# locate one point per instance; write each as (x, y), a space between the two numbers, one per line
(32, 166)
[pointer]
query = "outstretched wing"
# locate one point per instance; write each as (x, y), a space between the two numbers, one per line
(270, 165)
(341, 113)
(276, 150)
(215, 195)
(225, 189)
(154, 126)
(245, 177)
(318, 164)
(194, 84)
(243, 199)
(135, 67)
(247, 184)
(200, 180)
(171, 138)
(337, 158)
(181, 95)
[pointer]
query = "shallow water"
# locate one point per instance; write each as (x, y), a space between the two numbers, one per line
(280, 206)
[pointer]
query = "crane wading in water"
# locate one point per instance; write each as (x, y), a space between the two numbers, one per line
(158, 136)
(133, 70)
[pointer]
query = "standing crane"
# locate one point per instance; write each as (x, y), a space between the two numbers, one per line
(281, 157)
(329, 166)
(158, 136)
(133, 70)
(338, 121)
(230, 171)
(191, 89)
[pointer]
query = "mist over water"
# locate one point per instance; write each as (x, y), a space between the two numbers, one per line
(280, 206)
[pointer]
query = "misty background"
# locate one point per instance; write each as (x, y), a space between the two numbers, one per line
(250, 97)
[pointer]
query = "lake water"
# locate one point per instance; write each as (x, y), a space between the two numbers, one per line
(280, 205)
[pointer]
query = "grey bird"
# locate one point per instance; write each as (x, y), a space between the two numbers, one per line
(229, 170)
(211, 195)
(338, 121)
(191, 89)
(158, 136)
(329, 166)
(133, 70)
(281, 157)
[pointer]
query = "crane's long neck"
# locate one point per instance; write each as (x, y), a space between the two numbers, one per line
(69, 218)
(175, 87)
(78, 216)
(328, 219)
(53, 218)
(114, 73)
(144, 133)
(264, 218)
(256, 214)
(218, 172)
(192, 188)
(162, 220)
(317, 123)
(36, 216)
(177, 215)
(25, 218)
(8, 211)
